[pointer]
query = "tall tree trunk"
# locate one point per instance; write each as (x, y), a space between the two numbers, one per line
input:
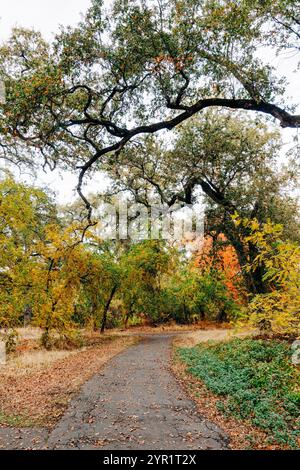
(104, 318)
(185, 313)
(127, 316)
(254, 281)
(202, 315)
(222, 316)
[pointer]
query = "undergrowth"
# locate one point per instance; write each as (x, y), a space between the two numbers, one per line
(256, 382)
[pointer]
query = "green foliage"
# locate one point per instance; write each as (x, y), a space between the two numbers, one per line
(191, 295)
(24, 214)
(278, 309)
(67, 281)
(151, 64)
(233, 161)
(66, 340)
(157, 283)
(144, 267)
(257, 383)
(11, 341)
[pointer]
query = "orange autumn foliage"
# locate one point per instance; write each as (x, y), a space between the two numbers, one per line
(221, 256)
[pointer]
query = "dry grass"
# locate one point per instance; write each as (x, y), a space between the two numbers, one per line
(172, 327)
(28, 333)
(36, 387)
(193, 338)
(34, 360)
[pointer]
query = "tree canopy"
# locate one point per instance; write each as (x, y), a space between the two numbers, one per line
(140, 68)
(168, 98)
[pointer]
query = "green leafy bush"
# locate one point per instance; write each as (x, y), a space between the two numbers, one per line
(191, 295)
(256, 380)
(11, 341)
(69, 339)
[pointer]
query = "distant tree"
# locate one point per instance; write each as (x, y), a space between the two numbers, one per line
(278, 310)
(144, 267)
(25, 212)
(217, 253)
(193, 295)
(233, 161)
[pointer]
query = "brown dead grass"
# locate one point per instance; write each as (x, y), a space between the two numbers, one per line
(36, 387)
(190, 339)
(27, 333)
(172, 327)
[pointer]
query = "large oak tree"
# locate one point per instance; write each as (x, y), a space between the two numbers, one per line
(141, 67)
(233, 161)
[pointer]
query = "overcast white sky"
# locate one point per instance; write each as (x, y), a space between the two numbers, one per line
(43, 15)
(47, 15)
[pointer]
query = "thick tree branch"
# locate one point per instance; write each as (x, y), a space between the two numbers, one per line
(286, 120)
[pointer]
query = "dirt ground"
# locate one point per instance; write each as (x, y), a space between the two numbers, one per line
(36, 386)
(134, 402)
(121, 397)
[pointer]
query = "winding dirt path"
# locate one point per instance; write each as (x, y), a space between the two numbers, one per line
(136, 403)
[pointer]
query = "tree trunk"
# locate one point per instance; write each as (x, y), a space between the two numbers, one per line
(185, 313)
(126, 321)
(222, 316)
(254, 281)
(127, 316)
(106, 308)
(202, 315)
